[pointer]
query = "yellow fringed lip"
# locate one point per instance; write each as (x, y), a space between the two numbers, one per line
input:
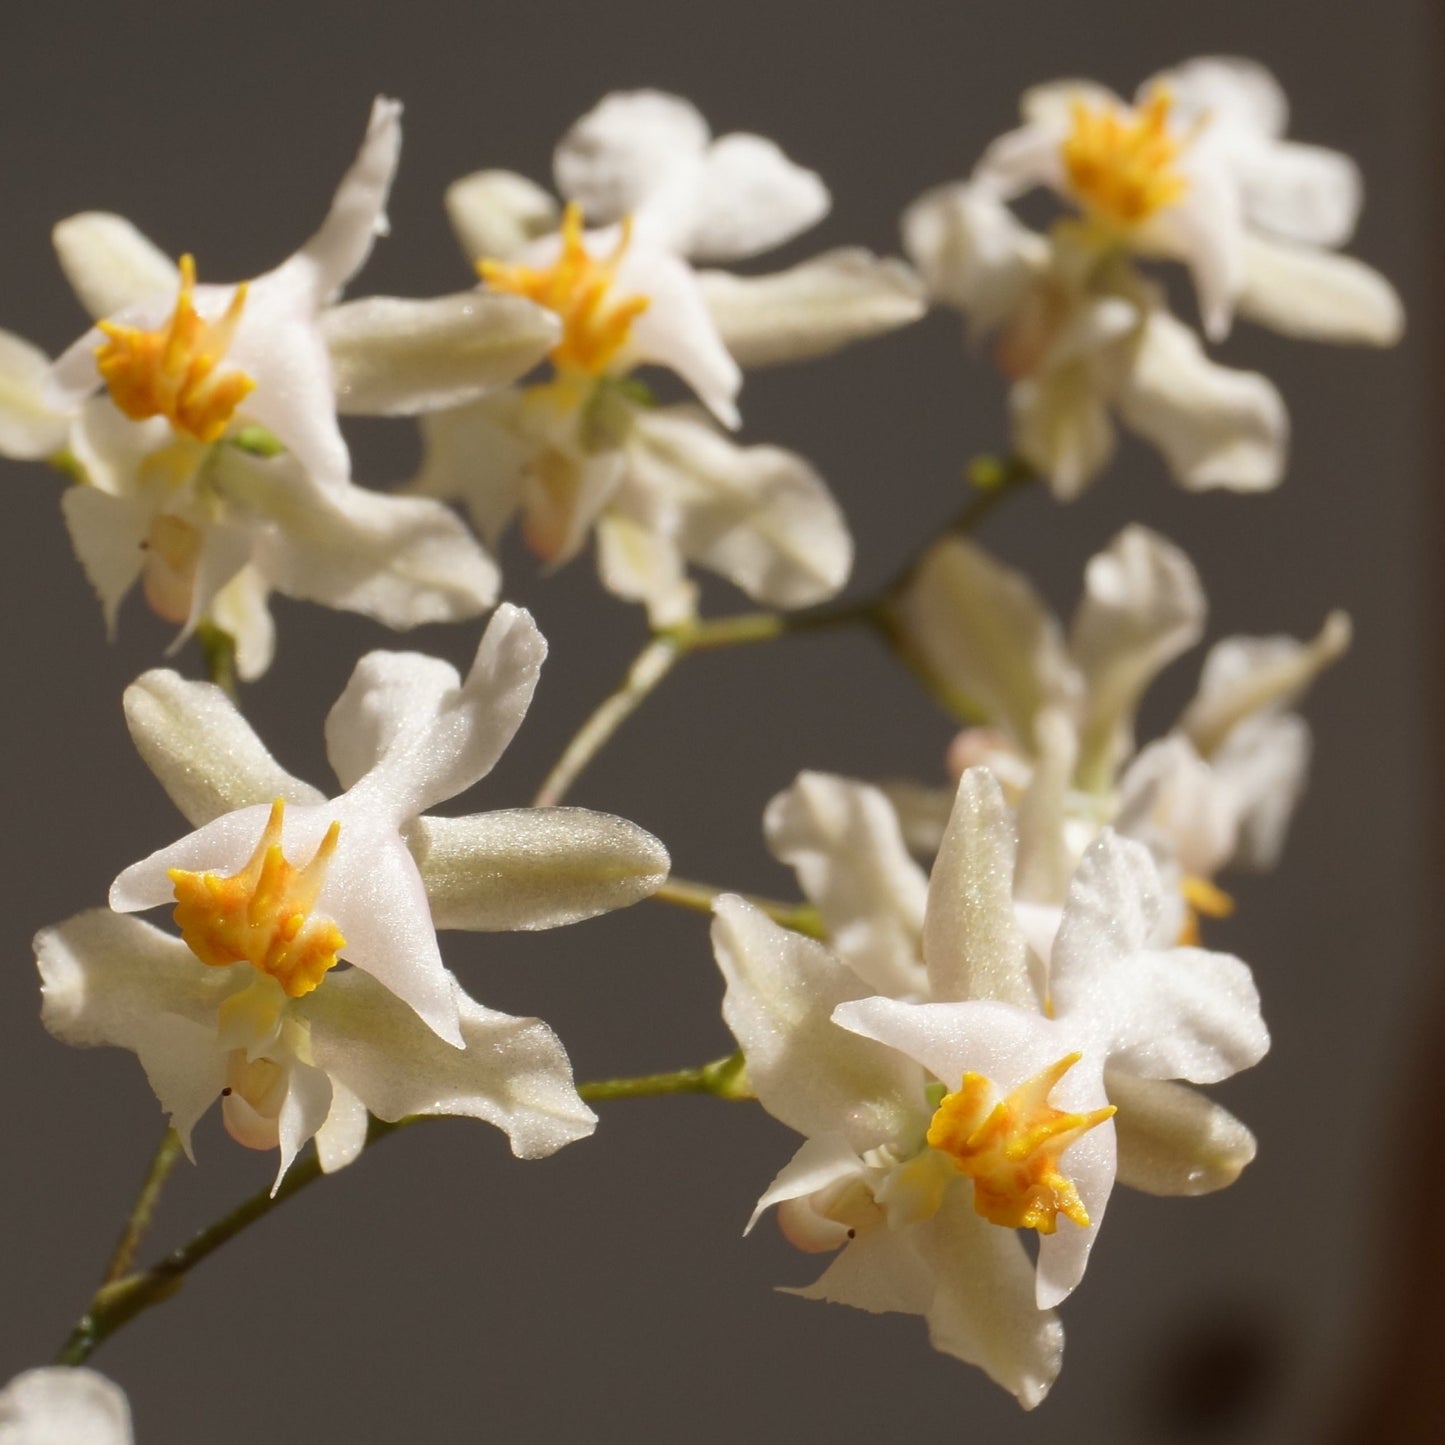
(175, 371)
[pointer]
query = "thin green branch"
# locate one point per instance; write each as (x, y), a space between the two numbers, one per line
(723, 1078)
(698, 897)
(142, 1212)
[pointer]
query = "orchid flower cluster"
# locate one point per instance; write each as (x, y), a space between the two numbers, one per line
(996, 1000)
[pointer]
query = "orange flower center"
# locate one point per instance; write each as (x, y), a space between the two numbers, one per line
(1121, 162)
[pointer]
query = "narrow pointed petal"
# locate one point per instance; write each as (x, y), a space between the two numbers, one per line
(880, 1272)
(357, 216)
(1143, 606)
(1216, 426)
(395, 357)
(110, 264)
(1318, 296)
(494, 214)
(817, 1164)
(511, 1072)
(984, 633)
(304, 1111)
(781, 992)
(108, 979)
(1091, 1163)
(202, 751)
(1172, 1139)
(530, 868)
(1205, 230)
(971, 939)
(1245, 676)
(983, 1309)
(1263, 764)
(108, 534)
(842, 839)
(340, 1140)
(760, 516)
(813, 308)
(241, 609)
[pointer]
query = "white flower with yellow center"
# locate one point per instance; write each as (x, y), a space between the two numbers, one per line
(161, 408)
(662, 487)
(250, 1005)
(1198, 169)
(936, 1130)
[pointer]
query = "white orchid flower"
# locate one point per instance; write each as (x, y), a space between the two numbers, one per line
(1197, 169)
(64, 1405)
(1028, 1055)
(270, 897)
(190, 377)
(1084, 339)
(663, 488)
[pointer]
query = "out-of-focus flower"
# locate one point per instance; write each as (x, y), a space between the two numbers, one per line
(1015, 1096)
(64, 1405)
(271, 897)
(663, 487)
(1057, 716)
(194, 380)
(1197, 170)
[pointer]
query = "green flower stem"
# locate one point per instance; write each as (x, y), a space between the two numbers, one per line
(992, 480)
(800, 917)
(124, 1295)
(143, 1210)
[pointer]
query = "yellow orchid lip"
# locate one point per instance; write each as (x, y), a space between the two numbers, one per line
(1010, 1147)
(580, 288)
(175, 371)
(1121, 162)
(262, 914)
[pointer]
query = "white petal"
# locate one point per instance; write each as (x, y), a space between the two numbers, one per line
(983, 1309)
(759, 515)
(810, 1074)
(496, 213)
(416, 735)
(358, 209)
(1300, 192)
(303, 1112)
(511, 1072)
(843, 840)
(402, 560)
(1216, 426)
(1024, 158)
(971, 941)
(1243, 676)
(639, 563)
(64, 1405)
(813, 308)
(477, 454)
(1318, 296)
(981, 629)
(750, 197)
(1061, 427)
(340, 1140)
(1091, 1163)
(972, 251)
(1233, 92)
(881, 1272)
(396, 357)
(113, 980)
(31, 428)
(636, 152)
(1172, 1139)
(109, 263)
(677, 329)
(1182, 1013)
(108, 534)
(240, 609)
(1205, 230)
(1143, 605)
(1173, 801)
(202, 750)
(820, 1162)
(1263, 764)
(528, 868)
(1052, 103)
(1046, 853)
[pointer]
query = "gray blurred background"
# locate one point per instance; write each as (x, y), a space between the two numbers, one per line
(441, 1291)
